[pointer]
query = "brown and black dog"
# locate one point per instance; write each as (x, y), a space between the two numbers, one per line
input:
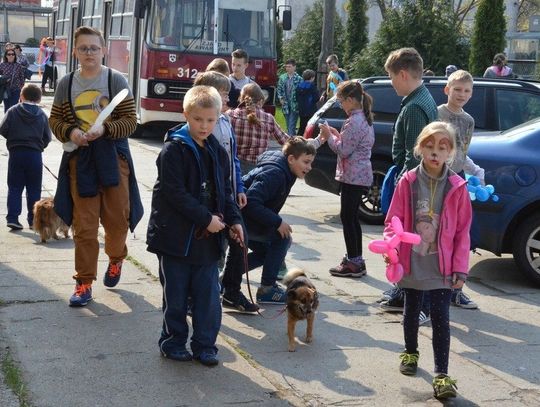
(47, 222)
(302, 302)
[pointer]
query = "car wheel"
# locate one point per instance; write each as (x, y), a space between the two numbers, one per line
(526, 248)
(370, 206)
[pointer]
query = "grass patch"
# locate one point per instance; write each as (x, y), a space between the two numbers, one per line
(13, 379)
(141, 267)
(280, 119)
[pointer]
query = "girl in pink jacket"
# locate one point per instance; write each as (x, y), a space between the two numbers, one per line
(433, 201)
(353, 148)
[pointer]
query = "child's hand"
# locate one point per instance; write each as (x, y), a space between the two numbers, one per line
(324, 130)
(456, 283)
(241, 199)
(284, 230)
(78, 137)
(237, 233)
(95, 132)
(386, 259)
(215, 225)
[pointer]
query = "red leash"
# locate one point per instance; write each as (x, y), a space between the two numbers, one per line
(201, 234)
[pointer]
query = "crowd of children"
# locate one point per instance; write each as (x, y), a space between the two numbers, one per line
(218, 186)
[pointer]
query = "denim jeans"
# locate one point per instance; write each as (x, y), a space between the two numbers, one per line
(266, 251)
(181, 280)
(12, 99)
(291, 119)
(25, 170)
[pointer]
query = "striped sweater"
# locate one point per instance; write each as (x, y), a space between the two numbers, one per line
(120, 124)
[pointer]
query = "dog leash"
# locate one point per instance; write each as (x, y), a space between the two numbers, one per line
(52, 173)
(204, 233)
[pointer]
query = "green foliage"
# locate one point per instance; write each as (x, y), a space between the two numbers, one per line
(279, 44)
(427, 25)
(32, 42)
(488, 36)
(305, 44)
(356, 34)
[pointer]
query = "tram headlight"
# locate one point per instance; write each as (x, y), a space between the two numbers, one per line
(160, 88)
(266, 94)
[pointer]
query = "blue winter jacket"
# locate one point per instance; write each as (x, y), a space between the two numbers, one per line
(177, 210)
(267, 188)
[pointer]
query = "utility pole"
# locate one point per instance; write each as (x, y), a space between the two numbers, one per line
(327, 41)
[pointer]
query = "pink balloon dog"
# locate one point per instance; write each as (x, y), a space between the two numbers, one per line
(389, 247)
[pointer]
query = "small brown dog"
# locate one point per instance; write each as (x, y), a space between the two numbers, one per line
(302, 302)
(47, 222)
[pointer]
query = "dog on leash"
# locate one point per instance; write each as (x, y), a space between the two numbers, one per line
(302, 302)
(47, 222)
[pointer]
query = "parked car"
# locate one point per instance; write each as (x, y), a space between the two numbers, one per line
(496, 104)
(511, 225)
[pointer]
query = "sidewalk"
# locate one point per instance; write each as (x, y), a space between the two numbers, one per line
(106, 354)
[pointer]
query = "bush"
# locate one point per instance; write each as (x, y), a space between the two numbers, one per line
(32, 42)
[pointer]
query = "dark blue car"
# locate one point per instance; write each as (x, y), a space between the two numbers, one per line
(512, 225)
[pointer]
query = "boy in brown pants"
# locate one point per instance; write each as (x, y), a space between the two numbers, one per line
(96, 181)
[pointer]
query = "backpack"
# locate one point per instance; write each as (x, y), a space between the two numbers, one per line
(388, 186)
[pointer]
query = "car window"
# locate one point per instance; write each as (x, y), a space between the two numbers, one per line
(386, 103)
(516, 107)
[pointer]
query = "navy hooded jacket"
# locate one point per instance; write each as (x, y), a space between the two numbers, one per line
(267, 188)
(177, 210)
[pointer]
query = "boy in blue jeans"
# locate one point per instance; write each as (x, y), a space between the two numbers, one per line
(191, 204)
(269, 237)
(26, 129)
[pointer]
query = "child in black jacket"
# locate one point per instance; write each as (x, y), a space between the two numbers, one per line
(307, 96)
(191, 204)
(26, 129)
(269, 237)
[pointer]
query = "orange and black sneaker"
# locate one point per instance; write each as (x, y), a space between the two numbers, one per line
(81, 296)
(112, 275)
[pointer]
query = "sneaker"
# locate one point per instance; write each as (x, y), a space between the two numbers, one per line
(388, 294)
(239, 303)
(282, 271)
(423, 319)
(409, 363)
(271, 295)
(15, 225)
(112, 275)
(394, 304)
(81, 296)
(462, 300)
(207, 358)
(349, 269)
(444, 387)
(181, 355)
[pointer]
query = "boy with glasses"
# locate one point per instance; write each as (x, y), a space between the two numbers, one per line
(96, 181)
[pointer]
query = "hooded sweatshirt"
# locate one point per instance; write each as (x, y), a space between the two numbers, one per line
(267, 188)
(26, 125)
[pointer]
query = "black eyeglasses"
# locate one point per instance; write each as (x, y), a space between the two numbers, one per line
(10, 55)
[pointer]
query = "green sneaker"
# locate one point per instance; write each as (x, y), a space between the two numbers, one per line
(444, 387)
(409, 363)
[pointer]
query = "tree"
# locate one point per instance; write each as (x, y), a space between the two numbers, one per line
(488, 36)
(427, 25)
(460, 8)
(305, 45)
(356, 34)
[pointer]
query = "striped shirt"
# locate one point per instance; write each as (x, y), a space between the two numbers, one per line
(418, 109)
(252, 139)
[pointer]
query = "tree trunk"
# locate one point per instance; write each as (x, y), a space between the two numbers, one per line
(327, 41)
